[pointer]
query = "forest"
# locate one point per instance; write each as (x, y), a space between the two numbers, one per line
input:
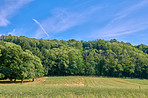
(23, 58)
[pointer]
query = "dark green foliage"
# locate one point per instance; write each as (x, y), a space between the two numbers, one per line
(142, 47)
(18, 64)
(2, 76)
(101, 58)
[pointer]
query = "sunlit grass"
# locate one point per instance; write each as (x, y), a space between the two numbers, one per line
(138, 81)
(73, 87)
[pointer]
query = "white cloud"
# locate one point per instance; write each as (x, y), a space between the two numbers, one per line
(122, 24)
(13, 32)
(62, 20)
(9, 8)
(40, 26)
(129, 10)
(132, 8)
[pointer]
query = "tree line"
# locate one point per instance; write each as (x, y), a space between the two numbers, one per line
(18, 64)
(22, 57)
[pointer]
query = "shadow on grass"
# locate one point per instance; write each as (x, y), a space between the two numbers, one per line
(17, 82)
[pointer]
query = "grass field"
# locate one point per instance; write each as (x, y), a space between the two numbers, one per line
(76, 87)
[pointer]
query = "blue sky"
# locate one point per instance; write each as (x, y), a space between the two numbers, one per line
(124, 20)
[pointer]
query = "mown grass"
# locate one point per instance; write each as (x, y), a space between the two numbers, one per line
(78, 87)
(138, 81)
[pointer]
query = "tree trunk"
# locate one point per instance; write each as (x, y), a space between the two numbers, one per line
(14, 80)
(33, 80)
(10, 80)
(22, 81)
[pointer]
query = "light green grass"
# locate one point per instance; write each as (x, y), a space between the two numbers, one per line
(138, 81)
(115, 83)
(78, 87)
(64, 80)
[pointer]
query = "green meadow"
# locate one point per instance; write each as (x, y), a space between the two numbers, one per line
(76, 87)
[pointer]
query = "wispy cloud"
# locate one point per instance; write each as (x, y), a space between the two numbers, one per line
(13, 32)
(122, 23)
(129, 10)
(9, 8)
(63, 19)
(40, 26)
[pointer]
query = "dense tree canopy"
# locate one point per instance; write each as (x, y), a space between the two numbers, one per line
(99, 57)
(143, 47)
(18, 64)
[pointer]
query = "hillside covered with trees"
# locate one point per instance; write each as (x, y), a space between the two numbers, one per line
(22, 57)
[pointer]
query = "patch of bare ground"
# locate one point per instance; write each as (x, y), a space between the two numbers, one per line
(68, 82)
(74, 84)
(36, 81)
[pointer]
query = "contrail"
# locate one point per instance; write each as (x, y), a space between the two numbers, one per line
(40, 26)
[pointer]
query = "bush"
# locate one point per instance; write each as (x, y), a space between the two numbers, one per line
(2, 75)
